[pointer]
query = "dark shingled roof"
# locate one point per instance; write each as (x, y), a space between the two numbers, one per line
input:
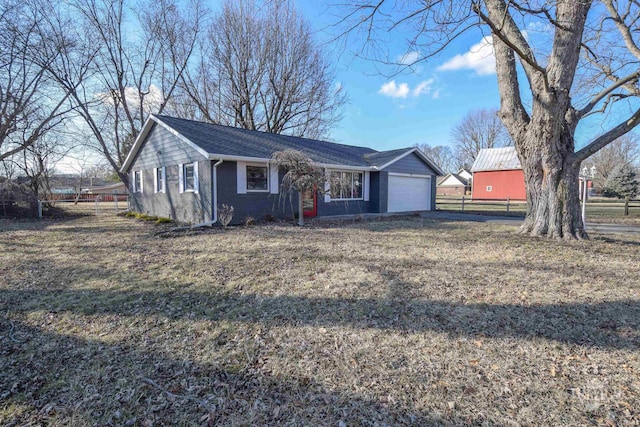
(230, 141)
(379, 158)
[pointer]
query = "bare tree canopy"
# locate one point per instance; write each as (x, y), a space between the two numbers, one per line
(261, 69)
(442, 155)
(477, 130)
(116, 78)
(582, 65)
(30, 105)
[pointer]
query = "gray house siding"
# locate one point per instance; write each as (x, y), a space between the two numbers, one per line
(256, 205)
(411, 164)
(342, 207)
(162, 148)
(378, 195)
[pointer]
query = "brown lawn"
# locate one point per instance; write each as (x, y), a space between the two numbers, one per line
(396, 322)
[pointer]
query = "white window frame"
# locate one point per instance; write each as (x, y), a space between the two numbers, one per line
(272, 178)
(138, 188)
(182, 182)
(163, 174)
(364, 187)
(489, 188)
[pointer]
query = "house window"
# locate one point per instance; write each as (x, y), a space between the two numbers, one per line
(346, 185)
(489, 188)
(159, 180)
(137, 181)
(188, 173)
(257, 178)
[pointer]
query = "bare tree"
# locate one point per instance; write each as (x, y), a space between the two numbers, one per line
(37, 162)
(303, 175)
(623, 151)
(117, 80)
(30, 105)
(261, 69)
(477, 130)
(442, 155)
(584, 64)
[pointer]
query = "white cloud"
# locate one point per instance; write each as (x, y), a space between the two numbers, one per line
(393, 90)
(152, 99)
(423, 87)
(403, 90)
(479, 58)
(409, 58)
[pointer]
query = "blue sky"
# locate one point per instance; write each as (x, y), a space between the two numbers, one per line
(418, 105)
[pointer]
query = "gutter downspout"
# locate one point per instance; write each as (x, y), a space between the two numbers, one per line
(215, 198)
(215, 191)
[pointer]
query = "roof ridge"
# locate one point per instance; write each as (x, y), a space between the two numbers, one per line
(255, 131)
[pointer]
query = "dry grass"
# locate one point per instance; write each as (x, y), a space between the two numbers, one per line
(396, 322)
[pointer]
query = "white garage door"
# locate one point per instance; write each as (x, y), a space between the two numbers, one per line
(409, 193)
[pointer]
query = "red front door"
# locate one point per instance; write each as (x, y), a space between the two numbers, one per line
(309, 203)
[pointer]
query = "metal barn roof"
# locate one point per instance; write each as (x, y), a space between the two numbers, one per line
(495, 159)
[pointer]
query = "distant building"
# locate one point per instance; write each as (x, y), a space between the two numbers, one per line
(454, 184)
(114, 188)
(498, 175)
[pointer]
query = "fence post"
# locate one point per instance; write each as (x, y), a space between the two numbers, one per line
(115, 198)
(462, 203)
(626, 206)
(39, 209)
(508, 199)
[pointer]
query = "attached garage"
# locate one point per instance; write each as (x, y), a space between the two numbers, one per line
(409, 193)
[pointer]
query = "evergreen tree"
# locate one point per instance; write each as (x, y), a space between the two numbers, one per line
(622, 182)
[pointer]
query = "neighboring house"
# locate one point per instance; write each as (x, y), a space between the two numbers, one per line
(454, 184)
(115, 188)
(185, 170)
(465, 174)
(498, 175)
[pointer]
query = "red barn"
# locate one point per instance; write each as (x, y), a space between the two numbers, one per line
(498, 175)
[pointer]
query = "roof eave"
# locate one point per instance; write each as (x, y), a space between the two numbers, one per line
(137, 143)
(420, 154)
(145, 132)
(232, 158)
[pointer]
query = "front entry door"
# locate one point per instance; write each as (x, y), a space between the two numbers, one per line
(309, 203)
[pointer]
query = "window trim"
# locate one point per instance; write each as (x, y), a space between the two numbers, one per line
(183, 181)
(362, 185)
(163, 188)
(138, 188)
(489, 188)
(192, 180)
(267, 174)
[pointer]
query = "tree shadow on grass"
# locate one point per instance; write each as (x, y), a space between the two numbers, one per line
(609, 324)
(51, 378)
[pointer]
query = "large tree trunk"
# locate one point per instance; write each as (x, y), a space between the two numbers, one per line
(551, 174)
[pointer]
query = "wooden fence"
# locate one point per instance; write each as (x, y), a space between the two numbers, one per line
(595, 206)
(468, 204)
(86, 197)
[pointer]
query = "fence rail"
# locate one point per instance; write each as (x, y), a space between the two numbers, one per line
(597, 206)
(466, 203)
(97, 204)
(86, 197)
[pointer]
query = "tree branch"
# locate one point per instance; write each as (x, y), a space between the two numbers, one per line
(607, 137)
